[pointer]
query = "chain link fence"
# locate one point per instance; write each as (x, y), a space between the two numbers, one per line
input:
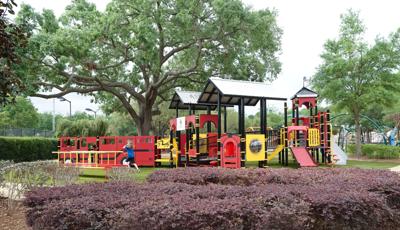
(22, 132)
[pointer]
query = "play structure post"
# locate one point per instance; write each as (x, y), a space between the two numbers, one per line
(263, 125)
(198, 139)
(219, 128)
(208, 123)
(328, 134)
(225, 121)
(311, 126)
(176, 112)
(316, 121)
(171, 143)
(242, 132)
(285, 152)
(322, 130)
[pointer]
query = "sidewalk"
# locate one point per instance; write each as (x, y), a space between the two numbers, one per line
(395, 169)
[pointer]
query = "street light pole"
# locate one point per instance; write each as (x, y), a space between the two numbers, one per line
(64, 99)
(93, 111)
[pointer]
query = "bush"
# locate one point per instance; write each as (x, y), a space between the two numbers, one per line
(212, 198)
(121, 174)
(376, 151)
(21, 149)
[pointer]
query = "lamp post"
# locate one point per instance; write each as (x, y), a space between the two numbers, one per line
(64, 99)
(93, 111)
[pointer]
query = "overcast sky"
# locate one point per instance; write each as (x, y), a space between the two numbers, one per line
(306, 25)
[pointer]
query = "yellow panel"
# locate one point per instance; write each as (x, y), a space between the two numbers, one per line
(203, 142)
(313, 137)
(163, 143)
(255, 147)
(278, 149)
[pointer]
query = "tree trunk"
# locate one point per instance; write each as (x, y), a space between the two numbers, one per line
(144, 121)
(358, 134)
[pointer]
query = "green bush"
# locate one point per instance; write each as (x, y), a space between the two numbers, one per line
(21, 149)
(376, 151)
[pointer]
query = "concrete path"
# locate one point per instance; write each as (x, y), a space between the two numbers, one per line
(395, 169)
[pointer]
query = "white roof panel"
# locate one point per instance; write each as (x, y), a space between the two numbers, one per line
(243, 88)
(233, 90)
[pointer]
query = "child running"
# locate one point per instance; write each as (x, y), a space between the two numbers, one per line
(131, 154)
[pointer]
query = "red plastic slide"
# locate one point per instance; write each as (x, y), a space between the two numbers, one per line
(303, 157)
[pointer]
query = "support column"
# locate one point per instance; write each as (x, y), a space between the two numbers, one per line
(197, 127)
(263, 128)
(208, 123)
(177, 112)
(219, 128)
(242, 132)
(285, 159)
(225, 121)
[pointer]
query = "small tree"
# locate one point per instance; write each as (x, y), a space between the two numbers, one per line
(354, 74)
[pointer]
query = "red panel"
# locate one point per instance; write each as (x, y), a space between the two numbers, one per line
(183, 144)
(107, 143)
(303, 157)
(204, 118)
(230, 152)
(68, 143)
(144, 147)
(172, 124)
(190, 119)
(212, 144)
(86, 142)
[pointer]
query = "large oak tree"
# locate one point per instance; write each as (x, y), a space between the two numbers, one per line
(133, 54)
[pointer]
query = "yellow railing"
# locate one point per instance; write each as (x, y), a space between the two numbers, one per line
(313, 137)
(88, 158)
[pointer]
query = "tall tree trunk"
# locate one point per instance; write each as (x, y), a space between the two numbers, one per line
(145, 119)
(358, 134)
(144, 122)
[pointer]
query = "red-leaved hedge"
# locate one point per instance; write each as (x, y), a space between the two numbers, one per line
(212, 198)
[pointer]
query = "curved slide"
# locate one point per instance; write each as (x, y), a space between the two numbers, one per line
(302, 157)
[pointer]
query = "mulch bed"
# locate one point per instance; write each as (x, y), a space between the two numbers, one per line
(14, 220)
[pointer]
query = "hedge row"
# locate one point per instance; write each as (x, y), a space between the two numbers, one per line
(21, 149)
(376, 151)
(300, 199)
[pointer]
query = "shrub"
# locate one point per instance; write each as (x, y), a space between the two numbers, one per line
(21, 149)
(212, 198)
(121, 174)
(376, 151)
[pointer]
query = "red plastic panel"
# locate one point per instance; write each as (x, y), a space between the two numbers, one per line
(68, 143)
(144, 147)
(88, 143)
(303, 157)
(107, 143)
(230, 152)
(183, 144)
(172, 124)
(190, 119)
(204, 118)
(212, 144)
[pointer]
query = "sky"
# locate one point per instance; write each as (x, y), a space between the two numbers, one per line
(306, 25)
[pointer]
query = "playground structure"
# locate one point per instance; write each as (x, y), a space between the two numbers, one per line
(198, 139)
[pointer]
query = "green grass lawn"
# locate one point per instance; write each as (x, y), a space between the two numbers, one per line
(99, 175)
(369, 164)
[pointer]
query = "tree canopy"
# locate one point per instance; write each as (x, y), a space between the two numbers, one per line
(12, 39)
(131, 56)
(355, 75)
(21, 114)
